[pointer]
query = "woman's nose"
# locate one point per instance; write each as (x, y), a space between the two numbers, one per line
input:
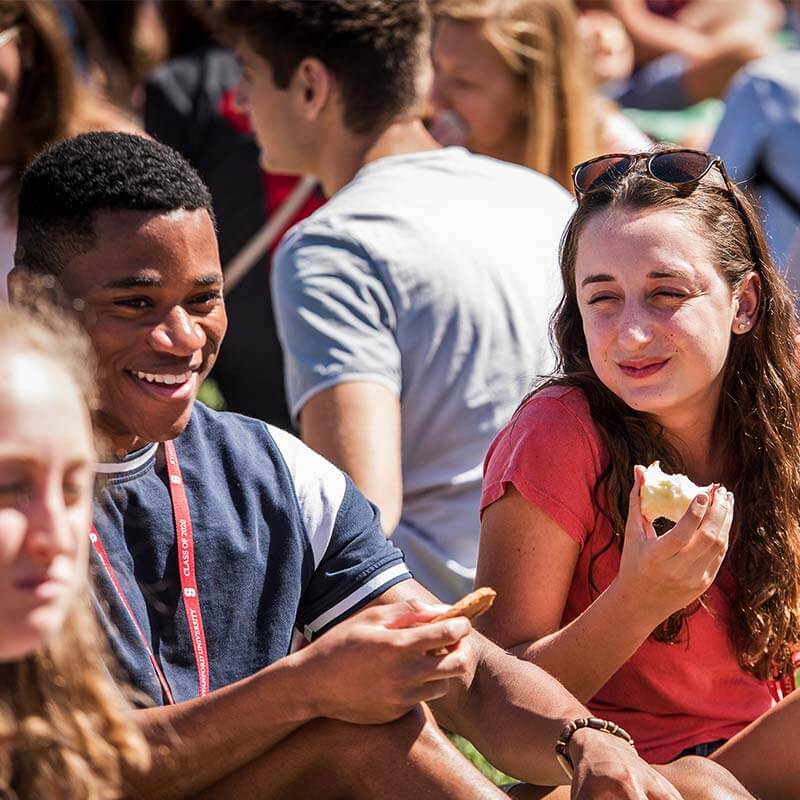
(48, 530)
(634, 329)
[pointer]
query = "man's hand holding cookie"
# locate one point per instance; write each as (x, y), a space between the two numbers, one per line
(470, 606)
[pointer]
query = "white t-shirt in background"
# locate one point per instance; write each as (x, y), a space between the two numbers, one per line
(433, 274)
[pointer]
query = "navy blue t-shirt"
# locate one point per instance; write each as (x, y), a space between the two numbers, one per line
(282, 541)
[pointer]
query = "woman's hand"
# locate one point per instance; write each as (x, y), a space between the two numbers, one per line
(662, 574)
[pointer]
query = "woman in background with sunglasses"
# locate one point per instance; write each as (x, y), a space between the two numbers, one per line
(676, 342)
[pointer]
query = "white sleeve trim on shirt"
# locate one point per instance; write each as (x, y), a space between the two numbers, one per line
(319, 487)
(343, 606)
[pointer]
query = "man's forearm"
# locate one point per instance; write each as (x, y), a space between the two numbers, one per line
(196, 743)
(513, 696)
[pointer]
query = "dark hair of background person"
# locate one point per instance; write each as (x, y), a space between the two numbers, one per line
(758, 417)
(187, 26)
(65, 729)
(373, 48)
(71, 181)
(121, 41)
(50, 104)
(111, 43)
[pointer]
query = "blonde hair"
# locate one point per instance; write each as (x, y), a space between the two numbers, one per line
(539, 41)
(65, 729)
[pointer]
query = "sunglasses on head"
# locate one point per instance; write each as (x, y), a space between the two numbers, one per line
(679, 167)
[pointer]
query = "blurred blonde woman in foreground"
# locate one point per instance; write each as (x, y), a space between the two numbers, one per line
(65, 730)
(511, 81)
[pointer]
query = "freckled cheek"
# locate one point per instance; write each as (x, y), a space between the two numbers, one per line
(711, 350)
(600, 359)
(698, 336)
(600, 336)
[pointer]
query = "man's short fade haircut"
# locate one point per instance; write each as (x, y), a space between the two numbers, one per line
(68, 183)
(373, 48)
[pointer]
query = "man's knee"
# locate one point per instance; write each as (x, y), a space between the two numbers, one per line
(698, 778)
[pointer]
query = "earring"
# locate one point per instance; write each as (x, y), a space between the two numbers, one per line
(744, 325)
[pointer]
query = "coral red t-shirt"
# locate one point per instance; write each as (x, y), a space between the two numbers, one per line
(668, 696)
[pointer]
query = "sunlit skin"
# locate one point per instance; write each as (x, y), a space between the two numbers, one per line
(10, 79)
(47, 461)
(273, 116)
(151, 290)
(657, 315)
(472, 80)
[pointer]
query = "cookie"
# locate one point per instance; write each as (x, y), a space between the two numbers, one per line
(470, 605)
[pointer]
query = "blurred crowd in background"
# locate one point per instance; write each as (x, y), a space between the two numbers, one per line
(609, 75)
(400, 327)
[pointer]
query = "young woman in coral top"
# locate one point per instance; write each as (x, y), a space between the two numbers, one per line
(676, 342)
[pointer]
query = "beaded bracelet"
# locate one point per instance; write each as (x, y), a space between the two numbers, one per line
(588, 722)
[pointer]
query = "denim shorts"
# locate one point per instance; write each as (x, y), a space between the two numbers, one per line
(705, 749)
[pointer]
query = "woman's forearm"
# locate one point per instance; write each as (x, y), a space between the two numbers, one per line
(586, 653)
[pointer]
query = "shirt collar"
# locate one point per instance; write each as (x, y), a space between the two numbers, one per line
(131, 462)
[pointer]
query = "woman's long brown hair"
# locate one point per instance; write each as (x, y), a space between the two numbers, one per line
(758, 419)
(65, 729)
(47, 98)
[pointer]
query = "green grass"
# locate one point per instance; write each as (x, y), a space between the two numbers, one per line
(211, 395)
(675, 126)
(468, 750)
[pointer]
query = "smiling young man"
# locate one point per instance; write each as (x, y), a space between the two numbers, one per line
(215, 537)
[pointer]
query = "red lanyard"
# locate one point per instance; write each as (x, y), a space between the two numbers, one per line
(189, 589)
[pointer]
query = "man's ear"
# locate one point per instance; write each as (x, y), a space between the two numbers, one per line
(313, 86)
(749, 297)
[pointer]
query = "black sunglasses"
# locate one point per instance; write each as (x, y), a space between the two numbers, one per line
(679, 167)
